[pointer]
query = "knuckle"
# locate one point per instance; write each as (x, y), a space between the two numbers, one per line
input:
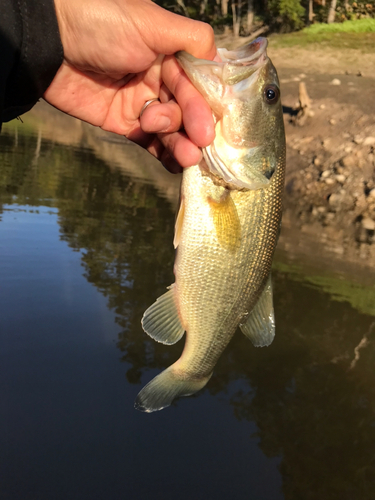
(209, 35)
(206, 39)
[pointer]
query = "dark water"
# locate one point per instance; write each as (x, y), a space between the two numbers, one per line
(84, 251)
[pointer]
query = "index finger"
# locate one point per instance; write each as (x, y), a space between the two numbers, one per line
(196, 113)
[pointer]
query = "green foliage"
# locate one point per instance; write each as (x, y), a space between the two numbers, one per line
(308, 39)
(286, 15)
(281, 15)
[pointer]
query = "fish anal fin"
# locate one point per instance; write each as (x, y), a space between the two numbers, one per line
(178, 224)
(259, 326)
(161, 321)
(226, 221)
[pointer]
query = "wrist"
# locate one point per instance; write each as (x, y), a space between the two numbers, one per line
(39, 56)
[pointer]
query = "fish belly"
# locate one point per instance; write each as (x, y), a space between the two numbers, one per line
(217, 285)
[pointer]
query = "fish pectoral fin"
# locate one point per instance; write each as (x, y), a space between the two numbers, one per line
(260, 323)
(178, 224)
(226, 222)
(161, 321)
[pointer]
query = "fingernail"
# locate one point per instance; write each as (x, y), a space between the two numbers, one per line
(162, 123)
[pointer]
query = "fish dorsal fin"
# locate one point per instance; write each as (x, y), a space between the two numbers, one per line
(178, 224)
(260, 323)
(226, 222)
(161, 321)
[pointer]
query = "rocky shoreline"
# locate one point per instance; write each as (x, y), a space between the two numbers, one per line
(336, 190)
(330, 183)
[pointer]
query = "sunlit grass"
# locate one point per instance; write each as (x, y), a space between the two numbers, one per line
(358, 35)
(358, 26)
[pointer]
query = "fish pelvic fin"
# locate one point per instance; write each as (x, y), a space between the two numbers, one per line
(165, 387)
(161, 320)
(226, 222)
(260, 323)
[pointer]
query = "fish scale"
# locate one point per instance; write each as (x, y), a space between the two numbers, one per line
(227, 225)
(204, 283)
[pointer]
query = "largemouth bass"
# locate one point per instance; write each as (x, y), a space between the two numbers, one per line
(227, 225)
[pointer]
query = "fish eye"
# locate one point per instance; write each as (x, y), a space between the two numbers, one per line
(271, 94)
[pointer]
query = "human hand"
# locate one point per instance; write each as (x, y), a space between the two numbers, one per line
(114, 62)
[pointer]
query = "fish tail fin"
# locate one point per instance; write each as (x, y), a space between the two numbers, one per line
(165, 387)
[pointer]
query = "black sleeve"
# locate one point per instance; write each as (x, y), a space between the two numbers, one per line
(30, 53)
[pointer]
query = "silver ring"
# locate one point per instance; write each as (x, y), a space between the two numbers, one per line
(147, 103)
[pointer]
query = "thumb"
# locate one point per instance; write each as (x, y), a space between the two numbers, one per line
(167, 33)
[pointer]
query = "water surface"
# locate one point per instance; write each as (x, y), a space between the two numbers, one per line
(86, 236)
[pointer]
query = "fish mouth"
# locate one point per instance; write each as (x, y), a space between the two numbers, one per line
(232, 77)
(246, 55)
(235, 65)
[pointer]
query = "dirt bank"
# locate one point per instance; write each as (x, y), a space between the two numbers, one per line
(330, 181)
(330, 185)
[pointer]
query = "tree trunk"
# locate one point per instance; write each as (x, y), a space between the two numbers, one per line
(224, 8)
(203, 7)
(250, 15)
(311, 12)
(236, 12)
(304, 105)
(181, 4)
(332, 12)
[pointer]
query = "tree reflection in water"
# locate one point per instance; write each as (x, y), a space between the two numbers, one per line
(313, 401)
